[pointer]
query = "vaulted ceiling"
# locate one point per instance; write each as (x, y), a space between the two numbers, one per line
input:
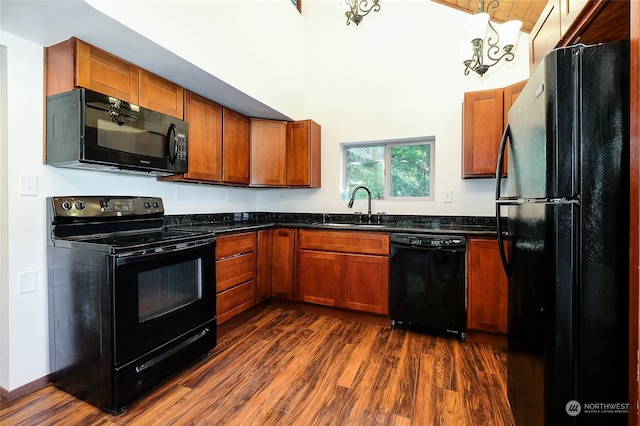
(527, 11)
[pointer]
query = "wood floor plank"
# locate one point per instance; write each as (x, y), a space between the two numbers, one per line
(284, 367)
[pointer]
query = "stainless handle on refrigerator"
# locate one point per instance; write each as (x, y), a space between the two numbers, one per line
(503, 146)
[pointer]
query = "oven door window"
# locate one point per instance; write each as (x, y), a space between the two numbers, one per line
(168, 288)
(160, 296)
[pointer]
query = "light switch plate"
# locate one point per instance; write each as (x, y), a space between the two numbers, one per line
(28, 185)
(447, 196)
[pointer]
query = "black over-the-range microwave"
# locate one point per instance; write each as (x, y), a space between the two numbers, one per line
(89, 130)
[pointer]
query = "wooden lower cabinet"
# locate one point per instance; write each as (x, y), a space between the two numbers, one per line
(487, 287)
(263, 272)
(235, 274)
(283, 251)
(346, 269)
(365, 285)
(320, 277)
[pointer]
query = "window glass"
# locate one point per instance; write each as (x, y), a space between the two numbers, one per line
(397, 169)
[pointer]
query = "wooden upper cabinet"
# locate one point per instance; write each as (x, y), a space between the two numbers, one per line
(236, 147)
(303, 154)
(158, 94)
(511, 93)
(567, 22)
(545, 34)
(485, 117)
(74, 63)
(569, 12)
(268, 152)
(482, 132)
(205, 138)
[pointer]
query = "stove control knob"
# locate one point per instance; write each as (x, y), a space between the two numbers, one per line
(147, 204)
(156, 204)
(79, 205)
(66, 205)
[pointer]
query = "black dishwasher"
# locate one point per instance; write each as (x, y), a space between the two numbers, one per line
(428, 284)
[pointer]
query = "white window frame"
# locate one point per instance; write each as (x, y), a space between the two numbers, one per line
(423, 140)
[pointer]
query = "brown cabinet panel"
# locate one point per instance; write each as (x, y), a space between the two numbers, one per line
(268, 152)
(366, 283)
(205, 138)
(234, 270)
(230, 245)
(303, 154)
(263, 267)
(74, 63)
(511, 93)
(545, 34)
(282, 262)
(158, 94)
(345, 241)
(320, 277)
(337, 269)
(235, 300)
(235, 274)
(482, 132)
(236, 147)
(487, 287)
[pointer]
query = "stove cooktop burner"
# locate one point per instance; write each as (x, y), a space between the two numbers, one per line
(115, 225)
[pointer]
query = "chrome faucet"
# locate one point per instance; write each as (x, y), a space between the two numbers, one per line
(353, 197)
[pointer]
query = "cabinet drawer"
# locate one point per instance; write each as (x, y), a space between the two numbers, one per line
(235, 300)
(345, 241)
(235, 244)
(235, 270)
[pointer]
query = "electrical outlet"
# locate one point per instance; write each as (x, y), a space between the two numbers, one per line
(447, 196)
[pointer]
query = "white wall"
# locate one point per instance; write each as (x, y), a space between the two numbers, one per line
(397, 75)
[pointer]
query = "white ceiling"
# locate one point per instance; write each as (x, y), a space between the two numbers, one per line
(49, 22)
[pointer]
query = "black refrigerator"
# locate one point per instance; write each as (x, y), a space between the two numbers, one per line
(565, 203)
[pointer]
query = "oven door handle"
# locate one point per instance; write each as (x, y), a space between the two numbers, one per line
(149, 254)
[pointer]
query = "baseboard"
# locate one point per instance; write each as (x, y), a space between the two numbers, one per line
(8, 396)
(375, 319)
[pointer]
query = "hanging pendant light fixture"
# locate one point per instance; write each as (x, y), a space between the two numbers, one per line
(355, 10)
(499, 44)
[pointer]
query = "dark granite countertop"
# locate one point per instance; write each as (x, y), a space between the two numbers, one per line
(224, 223)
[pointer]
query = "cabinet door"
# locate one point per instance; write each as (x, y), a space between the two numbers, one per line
(487, 287)
(158, 94)
(569, 12)
(74, 63)
(320, 277)
(545, 34)
(365, 283)
(303, 154)
(268, 152)
(263, 275)
(236, 147)
(282, 262)
(482, 128)
(511, 93)
(205, 139)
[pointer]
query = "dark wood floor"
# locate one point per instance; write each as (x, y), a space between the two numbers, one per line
(285, 367)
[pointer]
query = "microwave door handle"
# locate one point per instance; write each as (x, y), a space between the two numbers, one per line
(171, 136)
